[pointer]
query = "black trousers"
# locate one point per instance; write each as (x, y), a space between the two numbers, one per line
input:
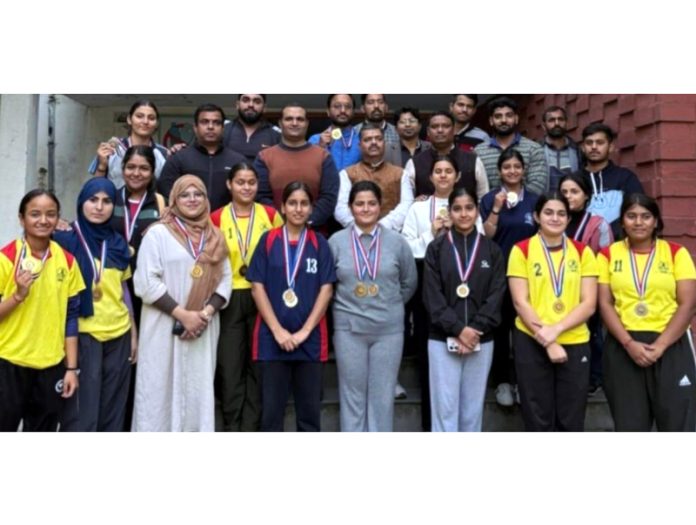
(418, 345)
(664, 393)
(278, 379)
(502, 366)
(553, 396)
(30, 395)
(100, 403)
(236, 382)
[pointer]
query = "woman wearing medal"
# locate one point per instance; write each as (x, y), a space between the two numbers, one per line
(595, 232)
(464, 283)
(647, 297)
(39, 287)
(242, 222)
(553, 283)
(507, 214)
(376, 277)
(425, 221)
(107, 334)
(183, 278)
(143, 121)
(292, 278)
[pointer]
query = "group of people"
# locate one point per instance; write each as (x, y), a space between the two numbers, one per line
(229, 268)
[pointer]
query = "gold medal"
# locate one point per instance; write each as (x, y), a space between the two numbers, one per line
(463, 291)
(197, 271)
(30, 265)
(97, 293)
(336, 134)
(360, 290)
(373, 290)
(558, 307)
(131, 250)
(512, 198)
(243, 270)
(443, 212)
(641, 310)
(290, 298)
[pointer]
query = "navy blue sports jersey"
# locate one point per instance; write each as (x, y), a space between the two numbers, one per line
(316, 269)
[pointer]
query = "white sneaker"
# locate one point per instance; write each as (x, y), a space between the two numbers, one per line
(503, 395)
(399, 392)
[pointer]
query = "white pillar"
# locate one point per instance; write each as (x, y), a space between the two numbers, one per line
(18, 163)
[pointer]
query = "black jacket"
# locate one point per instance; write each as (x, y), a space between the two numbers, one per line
(211, 169)
(235, 138)
(449, 314)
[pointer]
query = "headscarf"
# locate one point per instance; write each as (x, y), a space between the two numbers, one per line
(117, 255)
(215, 250)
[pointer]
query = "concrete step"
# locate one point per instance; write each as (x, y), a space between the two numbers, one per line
(407, 414)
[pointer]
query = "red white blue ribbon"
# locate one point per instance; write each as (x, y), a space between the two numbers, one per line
(581, 226)
(97, 274)
(556, 278)
(243, 244)
(292, 264)
(465, 269)
(641, 282)
(195, 252)
(367, 262)
(128, 221)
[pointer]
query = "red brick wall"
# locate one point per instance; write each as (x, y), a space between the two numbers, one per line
(656, 139)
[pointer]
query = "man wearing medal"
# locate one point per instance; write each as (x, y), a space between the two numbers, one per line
(397, 192)
(340, 138)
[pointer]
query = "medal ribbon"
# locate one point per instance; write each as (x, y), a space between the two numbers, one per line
(641, 282)
(556, 279)
(97, 274)
(361, 259)
(465, 269)
(581, 226)
(244, 245)
(293, 266)
(350, 140)
(128, 222)
(195, 253)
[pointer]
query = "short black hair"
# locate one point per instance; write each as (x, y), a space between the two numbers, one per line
(329, 99)
(204, 108)
(33, 194)
(501, 102)
(441, 113)
(412, 111)
(363, 97)
(599, 127)
(262, 96)
(365, 185)
(472, 97)
(369, 126)
(553, 109)
(650, 204)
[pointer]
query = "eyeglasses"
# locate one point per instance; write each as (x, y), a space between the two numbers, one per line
(407, 121)
(196, 195)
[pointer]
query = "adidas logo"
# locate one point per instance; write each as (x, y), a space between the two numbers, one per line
(484, 264)
(685, 381)
(584, 359)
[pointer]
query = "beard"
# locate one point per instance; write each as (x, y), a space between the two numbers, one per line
(505, 131)
(250, 116)
(556, 132)
(376, 117)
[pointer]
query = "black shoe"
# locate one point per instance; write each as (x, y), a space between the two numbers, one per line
(594, 390)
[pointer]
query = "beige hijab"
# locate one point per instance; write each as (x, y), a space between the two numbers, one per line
(215, 251)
